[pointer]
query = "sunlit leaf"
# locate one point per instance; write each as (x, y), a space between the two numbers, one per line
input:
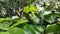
(4, 33)
(30, 8)
(4, 19)
(27, 9)
(33, 8)
(19, 22)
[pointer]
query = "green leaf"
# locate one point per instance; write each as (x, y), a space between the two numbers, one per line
(4, 33)
(14, 17)
(30, 8)
(27, 9)
(19, 22)
(39, 28)
(5, 25)
(54, 29)
(51, 6)
(28, 29)
(58, 19)
(49, 18)
(4, 19)
(37, 32)
(16, 30)
(58, 22)
(33, 8)
(58, 9)
(51, 28)
(35, 19)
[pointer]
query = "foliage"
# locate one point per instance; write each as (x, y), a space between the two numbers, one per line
(29, 17)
